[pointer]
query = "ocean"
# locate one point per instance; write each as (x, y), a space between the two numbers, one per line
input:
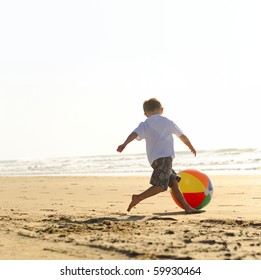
(220, 161)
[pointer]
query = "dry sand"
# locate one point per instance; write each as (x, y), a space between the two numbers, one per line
(85, 218)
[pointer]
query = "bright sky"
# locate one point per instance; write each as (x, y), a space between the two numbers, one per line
(74, 74)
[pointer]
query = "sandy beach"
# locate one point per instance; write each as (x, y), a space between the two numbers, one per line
(47, 218)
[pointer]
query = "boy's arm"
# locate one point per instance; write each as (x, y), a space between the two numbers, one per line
(130, 138)
(186, 141)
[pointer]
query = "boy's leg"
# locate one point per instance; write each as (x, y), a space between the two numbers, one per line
(179, 196)
(137, 198)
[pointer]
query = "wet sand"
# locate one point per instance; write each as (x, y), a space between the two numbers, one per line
(50, 218)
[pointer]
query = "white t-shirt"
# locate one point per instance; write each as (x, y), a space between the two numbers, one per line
(157, 131)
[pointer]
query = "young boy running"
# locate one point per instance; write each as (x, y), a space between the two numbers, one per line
(158, 133)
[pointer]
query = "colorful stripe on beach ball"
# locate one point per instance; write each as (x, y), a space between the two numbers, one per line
(196, 188)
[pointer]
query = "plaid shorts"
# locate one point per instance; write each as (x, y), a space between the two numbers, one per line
(163, 174)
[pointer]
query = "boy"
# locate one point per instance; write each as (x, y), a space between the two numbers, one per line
(157, 131)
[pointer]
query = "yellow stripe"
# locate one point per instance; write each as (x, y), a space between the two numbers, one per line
(190, 184)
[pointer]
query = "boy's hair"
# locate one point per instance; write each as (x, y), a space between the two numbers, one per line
(151, 105)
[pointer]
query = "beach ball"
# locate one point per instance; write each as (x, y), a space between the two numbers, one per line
(196, 187)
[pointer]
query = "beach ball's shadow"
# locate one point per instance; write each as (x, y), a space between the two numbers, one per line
(178, 213)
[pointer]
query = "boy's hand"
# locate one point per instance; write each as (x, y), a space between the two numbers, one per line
(130, 138)
(193, 151)
(121, 148)
(186, 141)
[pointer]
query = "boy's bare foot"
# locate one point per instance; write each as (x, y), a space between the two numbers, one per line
(134, 201)
(194, 211)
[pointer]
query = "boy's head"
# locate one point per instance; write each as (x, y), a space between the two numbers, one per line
(152, 106)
